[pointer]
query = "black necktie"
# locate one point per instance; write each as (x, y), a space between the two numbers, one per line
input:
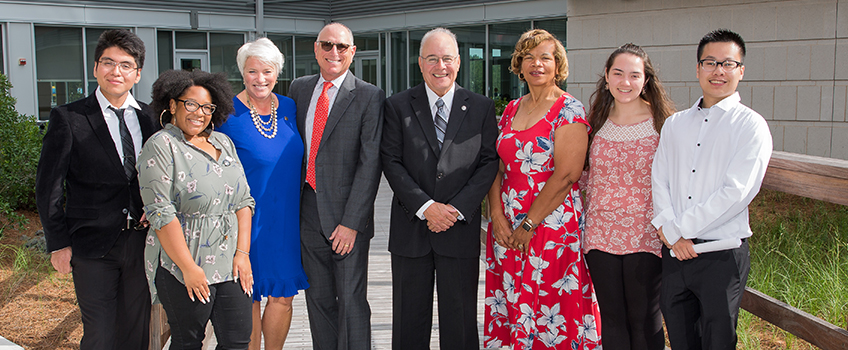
(441, 122)
(127, 143)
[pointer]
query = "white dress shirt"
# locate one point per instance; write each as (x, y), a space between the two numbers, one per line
(709, 166)
(432, 97)
(130, 106)
(332, 92)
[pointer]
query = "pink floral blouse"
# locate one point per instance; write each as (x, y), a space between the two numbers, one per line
(618, 190)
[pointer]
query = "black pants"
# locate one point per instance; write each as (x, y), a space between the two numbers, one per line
(700, 298)
(113, 296)
(229, 308)
(412, 295)
(628, 291)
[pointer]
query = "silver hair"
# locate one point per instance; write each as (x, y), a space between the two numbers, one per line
(264, 50)
(346, 29)
(434, 31)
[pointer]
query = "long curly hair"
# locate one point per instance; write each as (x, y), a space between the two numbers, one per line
(173, 83)
(654, 94)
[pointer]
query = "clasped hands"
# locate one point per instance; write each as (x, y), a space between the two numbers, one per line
(440, 217)
(518, 239)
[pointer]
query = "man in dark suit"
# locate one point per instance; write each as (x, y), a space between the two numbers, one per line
(88, 197)
(340, 118)
(438, 153)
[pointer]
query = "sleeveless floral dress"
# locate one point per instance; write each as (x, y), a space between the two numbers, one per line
(543, 299)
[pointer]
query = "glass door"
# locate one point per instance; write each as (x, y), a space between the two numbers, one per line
(366, 67)
(191, 61)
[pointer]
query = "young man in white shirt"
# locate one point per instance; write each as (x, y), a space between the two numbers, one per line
(709, 166)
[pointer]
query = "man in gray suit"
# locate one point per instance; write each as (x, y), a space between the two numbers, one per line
(439, 157)
(340, 118)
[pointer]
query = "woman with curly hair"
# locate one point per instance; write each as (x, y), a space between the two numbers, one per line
(538, 290)
(198, 203)
(621, 246)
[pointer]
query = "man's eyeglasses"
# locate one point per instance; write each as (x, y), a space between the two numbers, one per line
(434, 60)
(126, 67)
(328, 46)
(193, 106)
(709, 64)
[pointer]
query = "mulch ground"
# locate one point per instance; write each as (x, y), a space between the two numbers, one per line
(38, 309)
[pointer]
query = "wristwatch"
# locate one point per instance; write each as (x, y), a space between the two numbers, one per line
(527, 225)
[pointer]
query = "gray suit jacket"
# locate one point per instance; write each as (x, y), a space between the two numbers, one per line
(347, 166)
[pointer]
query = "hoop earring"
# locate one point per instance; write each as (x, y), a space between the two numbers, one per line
(160, 118)
(521, 76)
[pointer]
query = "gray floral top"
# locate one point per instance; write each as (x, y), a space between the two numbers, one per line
(178, 180)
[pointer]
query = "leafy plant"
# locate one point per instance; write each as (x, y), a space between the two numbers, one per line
(20, 147)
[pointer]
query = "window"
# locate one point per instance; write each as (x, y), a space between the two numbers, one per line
(2, 43)
(165, 50)
(223, 49)
(304, 52)
(191, 40)
(91, 37)
(415, 76)
(557, 28)
(60, 67)
(286, 45)
(399, 71)
(502, 39)
(472, 46)
(553, 26)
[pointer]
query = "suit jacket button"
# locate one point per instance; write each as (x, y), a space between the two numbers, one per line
(125, 211)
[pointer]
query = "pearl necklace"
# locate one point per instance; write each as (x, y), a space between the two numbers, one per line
(261, 125)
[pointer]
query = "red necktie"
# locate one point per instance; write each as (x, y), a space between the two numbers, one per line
(322, 109)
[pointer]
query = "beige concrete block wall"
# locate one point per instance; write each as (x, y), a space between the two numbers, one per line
(796, 70)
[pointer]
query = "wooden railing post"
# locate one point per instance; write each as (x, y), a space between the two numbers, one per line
(159, 329)
(813, 177)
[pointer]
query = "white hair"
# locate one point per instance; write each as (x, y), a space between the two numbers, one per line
(264, 50)
(433, 32)
(346, 29)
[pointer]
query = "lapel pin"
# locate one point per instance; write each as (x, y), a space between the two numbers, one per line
(463, 108)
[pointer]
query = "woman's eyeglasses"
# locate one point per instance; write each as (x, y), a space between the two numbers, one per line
(193, 106)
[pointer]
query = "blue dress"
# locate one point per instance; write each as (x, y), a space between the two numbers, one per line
(273, 168)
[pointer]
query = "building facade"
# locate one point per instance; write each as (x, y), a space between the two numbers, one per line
(795, 48)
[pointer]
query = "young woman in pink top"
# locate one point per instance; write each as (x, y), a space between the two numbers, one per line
(628, 109)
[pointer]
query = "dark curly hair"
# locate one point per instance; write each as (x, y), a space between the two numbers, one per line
(123, 39)
(172, 84)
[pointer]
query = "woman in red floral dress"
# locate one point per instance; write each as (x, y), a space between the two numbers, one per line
(538, 291)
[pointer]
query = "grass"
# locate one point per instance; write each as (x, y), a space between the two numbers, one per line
(27, 264)
(799, 256)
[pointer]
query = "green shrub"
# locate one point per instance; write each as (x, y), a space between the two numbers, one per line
(20, 147)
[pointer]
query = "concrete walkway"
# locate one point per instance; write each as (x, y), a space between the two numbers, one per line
(379, 290)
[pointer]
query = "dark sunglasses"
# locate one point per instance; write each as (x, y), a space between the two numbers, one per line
(328, 46)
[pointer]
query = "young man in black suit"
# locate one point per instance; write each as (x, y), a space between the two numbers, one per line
(88, 197)
(438, 153)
